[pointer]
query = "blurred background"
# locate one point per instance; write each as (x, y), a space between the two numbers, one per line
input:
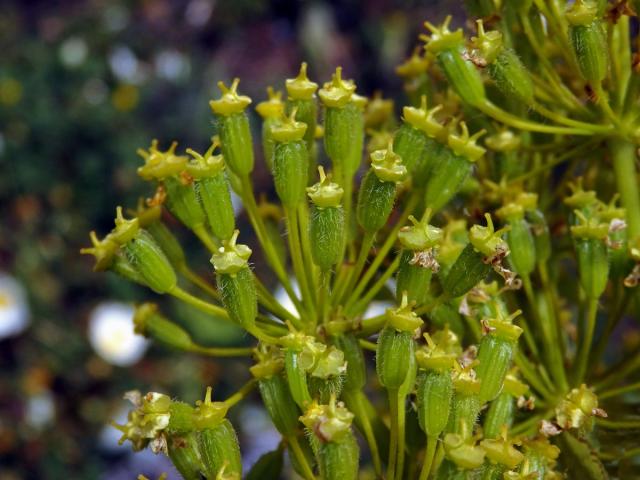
(83, 84)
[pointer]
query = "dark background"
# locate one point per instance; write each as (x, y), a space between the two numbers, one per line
(82, 86)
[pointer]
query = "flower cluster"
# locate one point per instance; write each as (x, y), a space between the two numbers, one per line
(489, 344)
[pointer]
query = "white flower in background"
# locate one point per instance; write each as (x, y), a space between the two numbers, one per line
(41, 410)
(14, 310)
(198, 12)
(283, 298)
(111, 334)
(377, 308)
(73, 51)
(125, 66)
(172, 65)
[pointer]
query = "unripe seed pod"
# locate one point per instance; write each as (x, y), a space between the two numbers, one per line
(451, 166)
(588, 40)
(434, 394)
(271, 112)
(181, 200)
(464, 410)
(233, 128)
(217, 439)
(343, 124)
(274, 389)
(593, 259)
(378, 189)
(339, 460)
(236, 282)
(505, 68)
(295, 372)
(290, 161)
(417, 262)
(416, 141)
(356, 375)
(448, 48)
(149, 322)
(495, 354)
(395, 351)
(326, 225)
(486, 249)
(146, 257)
(468, 270)
(333, 440)
(183, 452)
(212, 191)
(301, 95)
(519, 238)
(541, 236)
(500, 413)
(278, 401)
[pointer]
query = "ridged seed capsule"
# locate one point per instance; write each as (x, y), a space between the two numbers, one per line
(149, 322)
(271, 111)
(176, 189)
(336, 448)
(396, 346)
(149, 219)
(593, 258)
(418, 261)
(212, 190)
(296, 374)
(519, 237)
(485, 250)
(451, 166)
(378, 189)
(290, 160)
(416, 141)
(301, 94)
(233, 128)
(343, 124)
(274, 390)
(495, 354)
(466, 402)
(501, 410)
(434, 390)
(217, 439)
(236, 282)
(589, 40)
(144, 254)
(448, 48)
(505, 68)
(326, 226)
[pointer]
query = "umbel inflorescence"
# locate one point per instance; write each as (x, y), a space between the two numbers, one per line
(489, 215)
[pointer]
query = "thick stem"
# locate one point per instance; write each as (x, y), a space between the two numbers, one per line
(430, 453)
(586, 339)
(294, 448)
(393, 441)
(624, 158)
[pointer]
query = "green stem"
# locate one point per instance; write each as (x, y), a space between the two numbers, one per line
(200, 231)
(430, 453)
(297, 452)
(198, 281)
(245, 390)
(393, 441)
(586, 340)
(555, 361)
(198, 303)
(364, 302)
(614, 317)
(629, 423)
(270, 253)
(312, 268)
(353, 276)
(295, 248)
(619, 391)
(514, 121)
(401, 434)
(620, 371)
(624, 158)
(222, 351)
(354, 401)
